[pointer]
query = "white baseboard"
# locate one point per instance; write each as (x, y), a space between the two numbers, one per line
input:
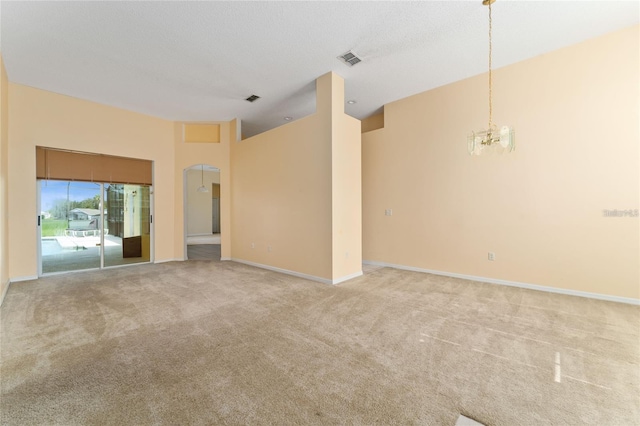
(168, 260)
(4, 292)
(283, 271)
(347, 277)
(25, 278)
(628, 300)
(225, 258)
(298, 274)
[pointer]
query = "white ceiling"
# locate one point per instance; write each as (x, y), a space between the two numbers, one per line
(198, 61)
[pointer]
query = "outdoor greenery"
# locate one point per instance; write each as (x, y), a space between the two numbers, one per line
(53, 227)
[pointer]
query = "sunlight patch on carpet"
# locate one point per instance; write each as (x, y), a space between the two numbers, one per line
(466, 421)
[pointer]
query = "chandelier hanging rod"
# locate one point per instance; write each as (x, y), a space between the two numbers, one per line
(497, 140)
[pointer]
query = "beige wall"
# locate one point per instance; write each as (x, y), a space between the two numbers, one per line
(4, 166)
(43, 118)
(540, 209)
(346, 186)
(282, 185)
(373, 122)
(48, 119)
(199, 204)
(296, 188)
(213, 154)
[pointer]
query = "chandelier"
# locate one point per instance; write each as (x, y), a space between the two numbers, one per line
(491, 139)
(202, 188)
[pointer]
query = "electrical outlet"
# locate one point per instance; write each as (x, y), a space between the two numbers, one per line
(253, 245)
(491, 256)
(268, 248)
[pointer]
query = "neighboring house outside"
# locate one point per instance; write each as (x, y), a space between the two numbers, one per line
(84, 218)
(84, 214)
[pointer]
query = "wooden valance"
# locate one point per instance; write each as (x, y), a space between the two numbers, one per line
(57, 164)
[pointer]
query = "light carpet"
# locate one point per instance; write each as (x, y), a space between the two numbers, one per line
(223, 343)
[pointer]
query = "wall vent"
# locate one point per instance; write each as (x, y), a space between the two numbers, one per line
(350, 58)
(252, 98)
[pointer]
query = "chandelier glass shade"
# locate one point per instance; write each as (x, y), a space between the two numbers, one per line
(491, 140)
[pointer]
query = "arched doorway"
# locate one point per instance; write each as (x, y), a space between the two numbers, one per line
(202, 212)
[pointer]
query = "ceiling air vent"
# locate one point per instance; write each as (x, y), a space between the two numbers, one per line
(252, 98)
(350, 58)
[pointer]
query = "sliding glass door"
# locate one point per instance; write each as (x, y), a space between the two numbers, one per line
(128, 237)
(70, 231)
(86, 225)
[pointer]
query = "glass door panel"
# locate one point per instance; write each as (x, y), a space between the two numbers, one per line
(127, 233)
(70, 226)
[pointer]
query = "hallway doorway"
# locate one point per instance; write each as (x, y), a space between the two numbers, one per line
(202, 213)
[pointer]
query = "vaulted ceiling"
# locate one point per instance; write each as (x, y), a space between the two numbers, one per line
(198, 61)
